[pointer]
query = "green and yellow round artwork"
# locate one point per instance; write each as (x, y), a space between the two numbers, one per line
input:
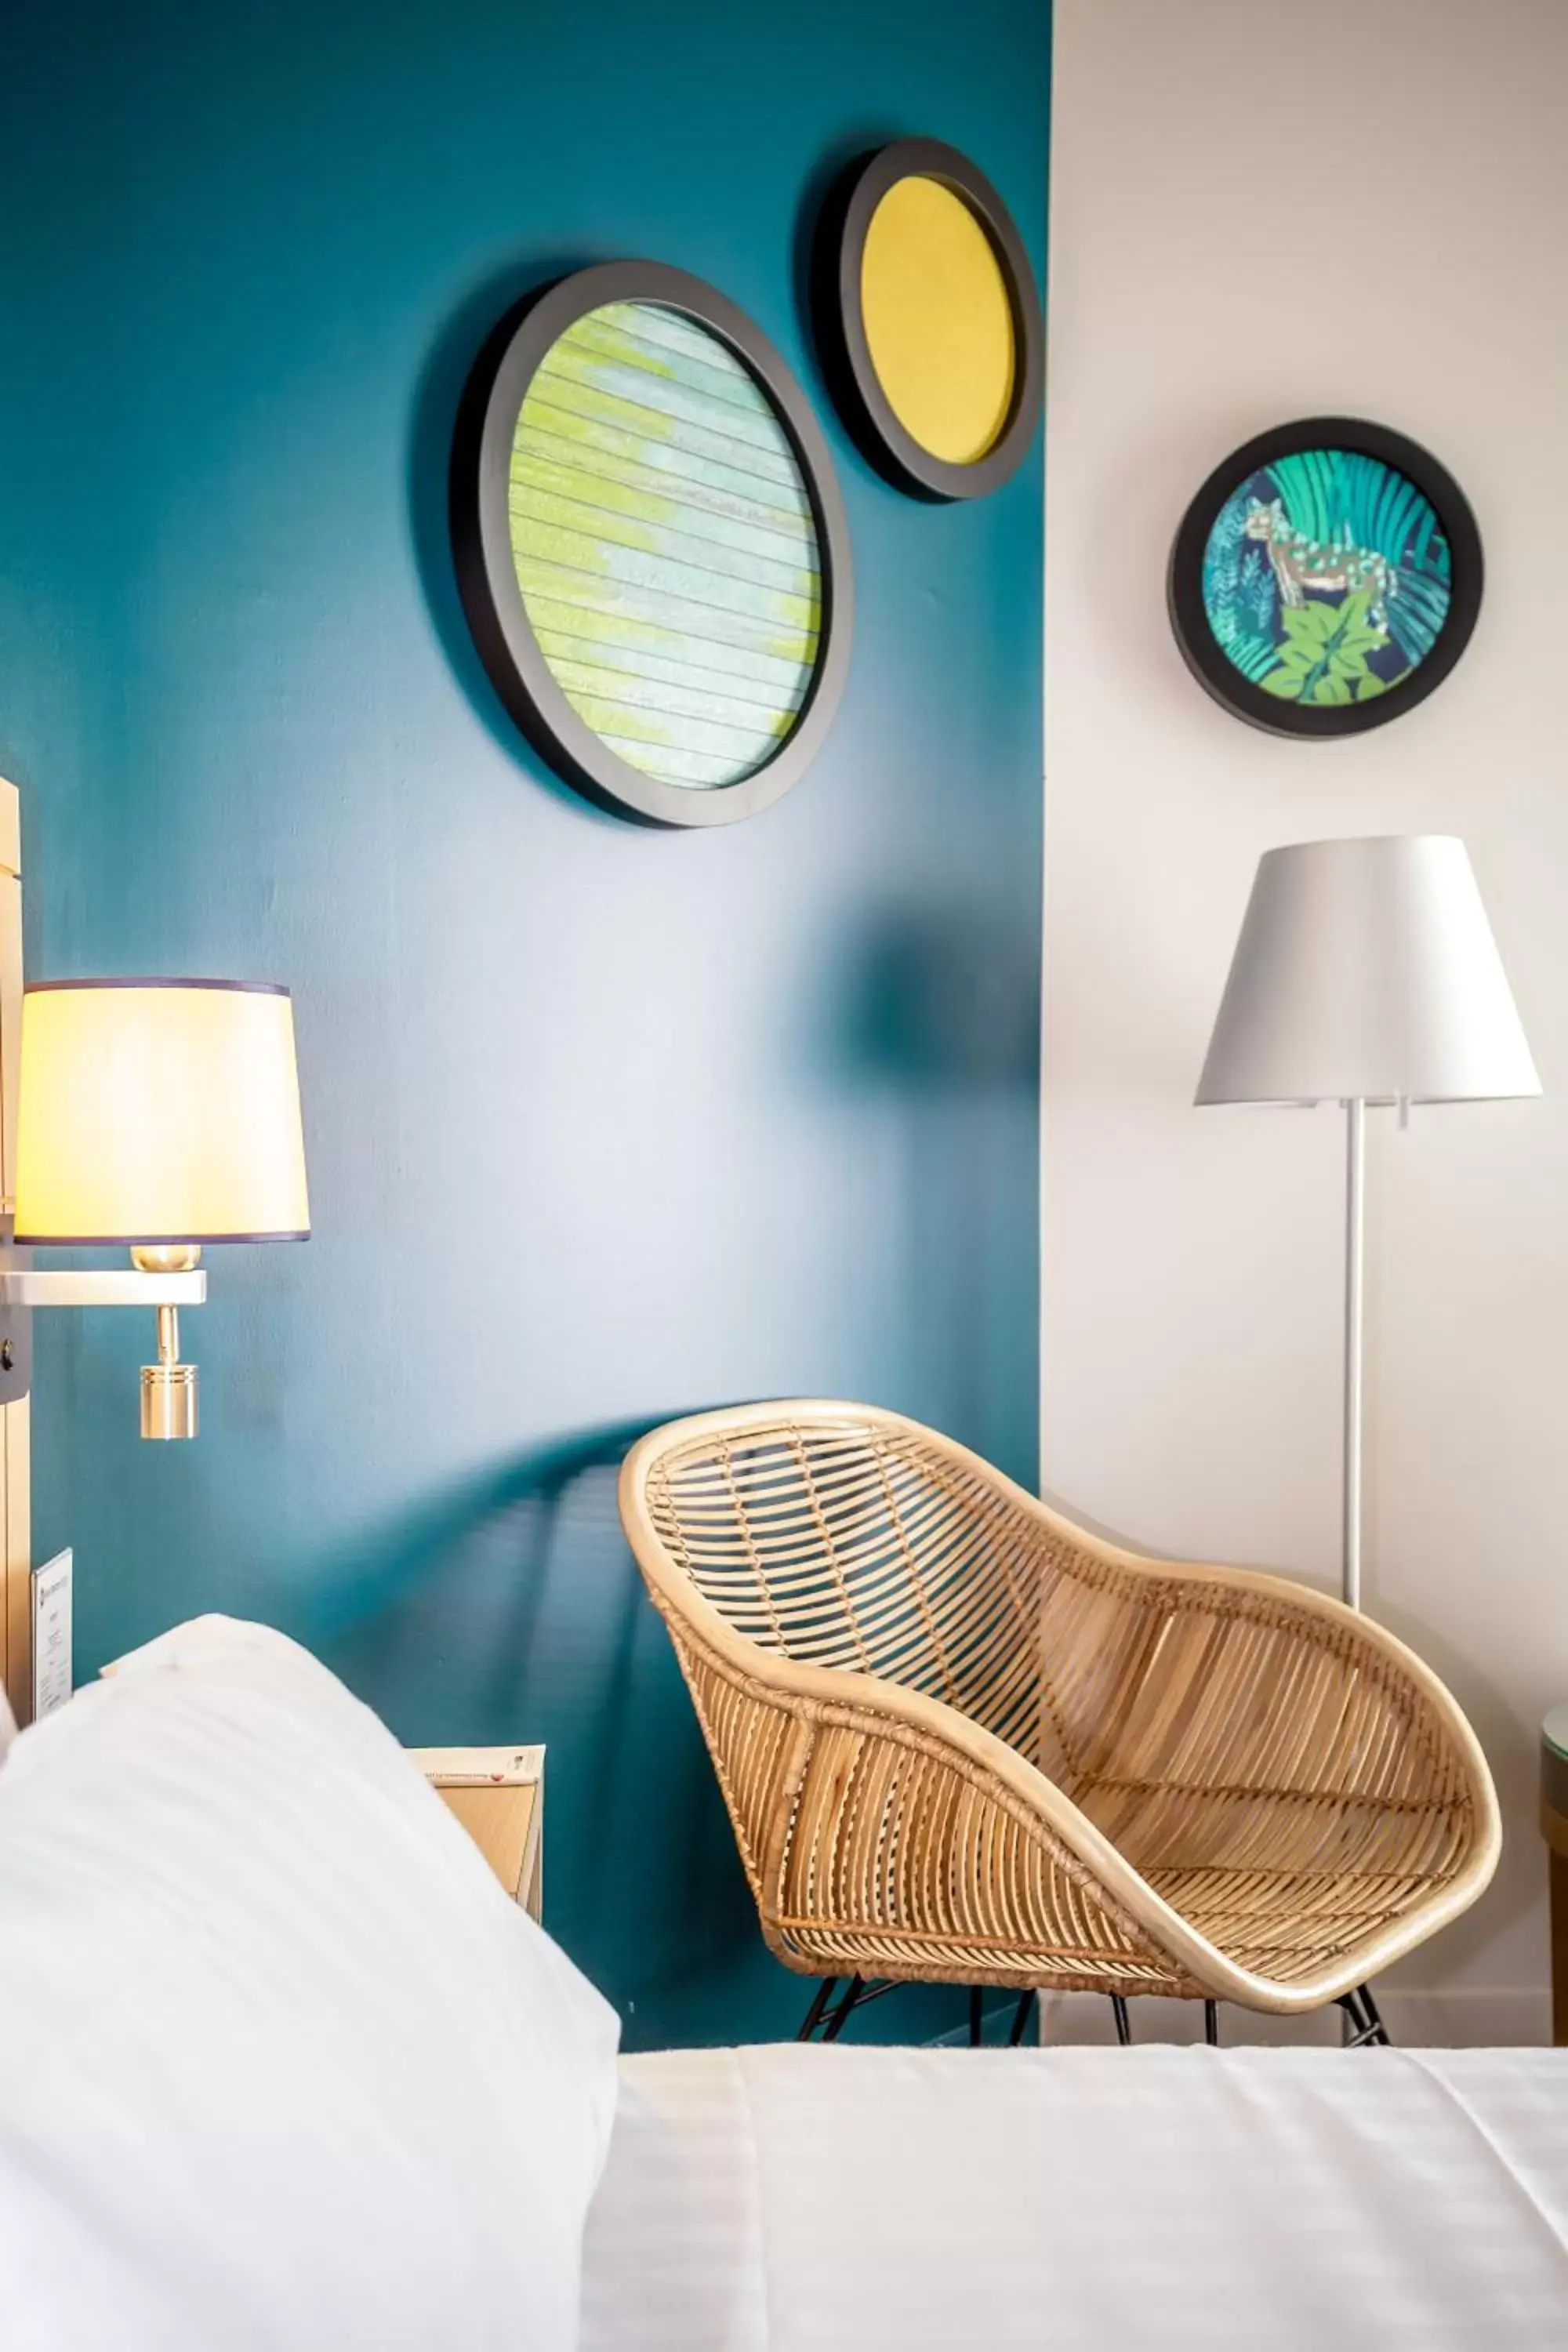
(651, 545)
(665, 545)
(1327, 576)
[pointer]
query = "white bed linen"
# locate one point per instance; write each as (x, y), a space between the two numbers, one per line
(283, 2069)
(807, 2198)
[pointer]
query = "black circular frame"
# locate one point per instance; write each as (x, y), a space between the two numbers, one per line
(841, 326)
(486, 576)
(1207, 659)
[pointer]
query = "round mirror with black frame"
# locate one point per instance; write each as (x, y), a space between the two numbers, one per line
(928, 321)
(1327, 576)
(651, 546)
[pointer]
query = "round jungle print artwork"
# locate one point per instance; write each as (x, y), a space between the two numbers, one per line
(1320, 589)
(1327, 577)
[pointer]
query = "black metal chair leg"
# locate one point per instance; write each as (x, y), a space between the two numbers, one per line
(1020, 2020)
(1376, 2031)
(1368, 2030)
(1123, 2022)
(1211, 2024)
(820, 2000)
(976, 2015)
(1356, 2037)
(836, 2023)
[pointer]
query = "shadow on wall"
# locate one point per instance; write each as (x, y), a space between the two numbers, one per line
(931, 1014)
(943, 997)
(432, 425)
(1462, 1949)
(814, 266)
(512, 1610)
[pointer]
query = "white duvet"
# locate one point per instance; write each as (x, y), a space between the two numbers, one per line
(816, 2199)
(282, 2069)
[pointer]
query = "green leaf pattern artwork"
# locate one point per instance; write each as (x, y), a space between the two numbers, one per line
(1327, 577)
(664, 546)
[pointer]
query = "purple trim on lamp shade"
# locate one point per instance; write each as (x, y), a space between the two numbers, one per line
(236, 987)
(148, 1241)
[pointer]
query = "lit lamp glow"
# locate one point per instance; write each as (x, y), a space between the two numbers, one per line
(160, 1114)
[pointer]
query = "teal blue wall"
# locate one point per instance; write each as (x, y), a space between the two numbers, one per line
(604, 1124)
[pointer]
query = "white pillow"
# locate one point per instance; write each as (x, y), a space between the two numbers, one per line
(280, 2065)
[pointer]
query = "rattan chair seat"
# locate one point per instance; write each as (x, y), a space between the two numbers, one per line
(963, 1739)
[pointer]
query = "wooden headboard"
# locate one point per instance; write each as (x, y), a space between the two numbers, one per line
(16, 1498)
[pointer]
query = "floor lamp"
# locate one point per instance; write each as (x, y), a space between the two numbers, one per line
(1366, 973)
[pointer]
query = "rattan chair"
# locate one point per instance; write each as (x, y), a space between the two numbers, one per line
(963, 1741)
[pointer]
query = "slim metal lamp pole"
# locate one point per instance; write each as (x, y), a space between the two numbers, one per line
(1355, 1284)
(1366, 971)
(1355, 1325)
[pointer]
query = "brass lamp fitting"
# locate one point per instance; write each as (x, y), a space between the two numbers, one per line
(168, 1387)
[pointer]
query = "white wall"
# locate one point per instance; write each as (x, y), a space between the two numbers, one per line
(1261, 212)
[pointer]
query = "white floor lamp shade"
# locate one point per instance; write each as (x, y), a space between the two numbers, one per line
(1366, 972)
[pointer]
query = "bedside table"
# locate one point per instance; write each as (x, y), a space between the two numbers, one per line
(1554, 1830)
(498, 1794)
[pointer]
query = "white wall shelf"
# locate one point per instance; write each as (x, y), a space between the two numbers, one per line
(37, 1287)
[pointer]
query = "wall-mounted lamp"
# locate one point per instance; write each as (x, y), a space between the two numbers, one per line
(160, 1115)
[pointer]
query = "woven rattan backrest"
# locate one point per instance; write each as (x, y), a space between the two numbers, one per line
(867, 1546)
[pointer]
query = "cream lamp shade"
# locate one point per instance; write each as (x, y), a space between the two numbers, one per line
(159, 1113)
(1366, 970)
